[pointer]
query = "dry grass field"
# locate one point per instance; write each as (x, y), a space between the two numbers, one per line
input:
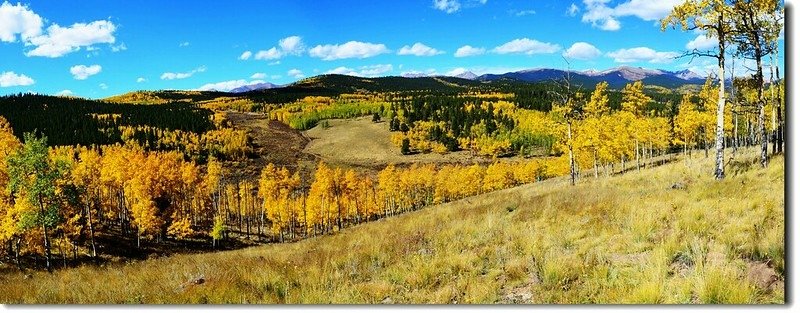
(361, 142)
(669, 234)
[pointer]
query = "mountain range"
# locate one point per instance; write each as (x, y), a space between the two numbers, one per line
(258, 86)
(616, 77)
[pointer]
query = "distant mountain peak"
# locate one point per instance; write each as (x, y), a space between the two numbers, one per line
(687, 74)
(467, 75)
(258, 86)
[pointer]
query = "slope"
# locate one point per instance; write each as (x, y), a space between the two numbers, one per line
(664, 235)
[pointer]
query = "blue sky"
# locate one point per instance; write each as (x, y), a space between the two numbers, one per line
(100, 48)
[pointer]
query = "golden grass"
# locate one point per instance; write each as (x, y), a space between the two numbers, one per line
(625, 239)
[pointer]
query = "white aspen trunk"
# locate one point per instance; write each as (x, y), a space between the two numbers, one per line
(719, 168)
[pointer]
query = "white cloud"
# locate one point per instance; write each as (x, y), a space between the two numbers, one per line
(364, 71)
(642, 54)
(480, 70)
(141, 80)
(702, 42)
(11, 79)
(295, 73)
(245, 55)
(415, 73)
(708, 66)
(172, 76)
(525, 12)
(65, 93)
(292, 45)
(602, 16)
(274, 63)
(375, 70)
(183, 44)
(258, 76)
(350, 49)
(275, 76)
(526, 46)
(468, 50)
(343, 71)
(271, 54)
(582, 51)
(18, 20)
(103, 86)
(63, 40)
(228, 85)
(81, 72)
(610, 25)
(456, 71)
(418, 49)
(647, 10)
(117, 48)
(448, 6)
(572, 10)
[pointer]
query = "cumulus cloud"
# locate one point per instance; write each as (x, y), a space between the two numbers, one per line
(183, 44)
(364, 71)
(141, 80)
(350, 49)
(11, 79)
(642, 54)
(63, 40)
(103, 86)
(246, 55)
(173, 76)
(419, 49)
(295, 73)
(258, 76)
(702, 42)
(468, 50)
(292, 45)
(647, 10)
(18, 20)
(81, 72)
(602, 16)
(526, 46)
(228, 85)
(271, 54)
(582, 51)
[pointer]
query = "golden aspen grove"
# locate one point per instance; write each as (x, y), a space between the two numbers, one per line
(383, 184)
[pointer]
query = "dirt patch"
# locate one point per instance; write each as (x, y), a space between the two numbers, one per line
(273, 142)
(763, 276)
(520, 294)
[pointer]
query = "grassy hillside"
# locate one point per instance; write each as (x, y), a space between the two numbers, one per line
(664, 235)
